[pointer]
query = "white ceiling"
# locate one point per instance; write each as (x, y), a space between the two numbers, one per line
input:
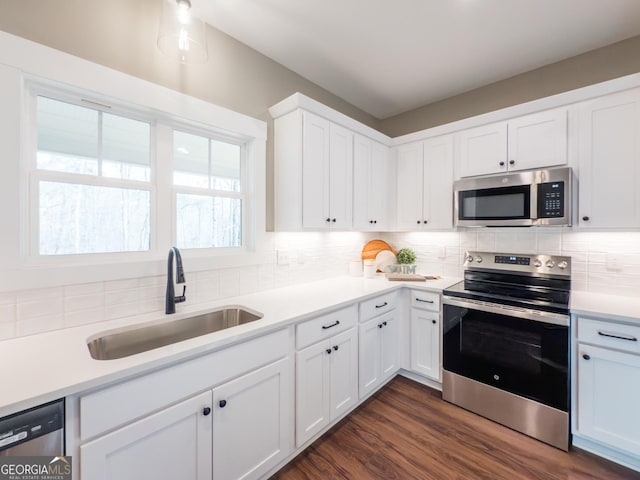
(390, 56)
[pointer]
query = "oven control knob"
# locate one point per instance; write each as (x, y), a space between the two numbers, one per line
(470, 258)
(537, 263)
(563, 264)
(479, 259)
(550, 264)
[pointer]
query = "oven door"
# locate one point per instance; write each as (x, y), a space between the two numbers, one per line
(521, 351)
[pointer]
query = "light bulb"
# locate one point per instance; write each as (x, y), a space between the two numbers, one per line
(183, 40)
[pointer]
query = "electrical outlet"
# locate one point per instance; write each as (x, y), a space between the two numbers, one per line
(283, 257)
(614, 261)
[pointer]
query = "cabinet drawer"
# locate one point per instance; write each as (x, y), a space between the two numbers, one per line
(425, 300)
(324, 326)
(151, 392)
(377, 306)
(609, 334)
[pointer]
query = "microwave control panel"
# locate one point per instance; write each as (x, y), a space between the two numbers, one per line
(551, 200)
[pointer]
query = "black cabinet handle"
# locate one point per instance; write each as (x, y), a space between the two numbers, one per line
(384, 323)
(619, 336)
(418, 222)
(380, 325)
(328, 220)
(512, 162)
(326, 327)
(223, 403)
(585, 218)
(333, 220)
(206, 411)
(328, 350)
(335, 347)
(370, 221)
(383, 305)
(502, 164)
(586, 357)
(423, 301)
(433, 321)
(375, 221)
(425, 222)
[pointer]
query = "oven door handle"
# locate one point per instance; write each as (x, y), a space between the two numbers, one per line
(508, 310)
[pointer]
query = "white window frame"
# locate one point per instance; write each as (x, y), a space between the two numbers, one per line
(245, 169)
(34, 90)
(24, 63)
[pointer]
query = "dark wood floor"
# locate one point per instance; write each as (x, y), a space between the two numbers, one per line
(406, 431)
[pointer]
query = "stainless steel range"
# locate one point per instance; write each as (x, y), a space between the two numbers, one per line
(506, 342)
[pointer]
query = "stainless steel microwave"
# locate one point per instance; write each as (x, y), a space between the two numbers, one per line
(523, 199)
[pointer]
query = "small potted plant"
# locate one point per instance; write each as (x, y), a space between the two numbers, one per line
(407, 259)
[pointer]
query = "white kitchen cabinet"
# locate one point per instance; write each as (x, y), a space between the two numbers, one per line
(371, 176)
(607, 363)
(425, 333)
(175, 442)
(250, 423)
(326, 383)
(532, 141)
(425, 184)
(609, 161)
(378, 352)
(313, 173)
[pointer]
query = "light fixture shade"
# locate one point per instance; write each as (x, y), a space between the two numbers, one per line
(182, 36)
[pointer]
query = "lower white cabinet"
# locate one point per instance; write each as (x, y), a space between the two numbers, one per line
(251, 423)
(326, 383)
(425, 343)
(239, 430)
(172, 443)
(378, 352)
(608, 384)
(425, 334)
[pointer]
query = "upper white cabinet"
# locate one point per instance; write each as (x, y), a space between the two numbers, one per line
(371, 177)
(609, 161)
(313, 173)
(425, 184)
(531, 141)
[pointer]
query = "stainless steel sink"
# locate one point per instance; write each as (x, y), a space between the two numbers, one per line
(139, 339)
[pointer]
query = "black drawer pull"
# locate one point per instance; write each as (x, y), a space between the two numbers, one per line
(619, 336)
(206, 411)
(380, 325)
(423, 301)
(383, 305)
(222, 403)
(336, 347)
(328, 350)
(326, 327)
(586, 357)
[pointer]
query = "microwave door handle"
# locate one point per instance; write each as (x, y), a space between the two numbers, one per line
(533, 212)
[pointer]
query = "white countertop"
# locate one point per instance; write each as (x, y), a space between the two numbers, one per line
(40, 368)
(615, 307)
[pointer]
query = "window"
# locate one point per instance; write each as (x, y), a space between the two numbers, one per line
(92, 180)
(209, 198)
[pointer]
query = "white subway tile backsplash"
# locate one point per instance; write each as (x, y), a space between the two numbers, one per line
(315, 256)
(83, 302)
(40, 324)
(7, 313)
(47, 307)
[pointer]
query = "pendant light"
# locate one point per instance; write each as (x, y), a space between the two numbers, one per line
(182, 36)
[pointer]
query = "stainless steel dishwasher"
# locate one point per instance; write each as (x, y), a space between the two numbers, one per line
(37, 431)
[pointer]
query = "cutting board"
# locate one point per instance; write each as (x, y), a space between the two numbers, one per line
(373, 247)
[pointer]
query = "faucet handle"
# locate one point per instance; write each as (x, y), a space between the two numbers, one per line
(181, 298)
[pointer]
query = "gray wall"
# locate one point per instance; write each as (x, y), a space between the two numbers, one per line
(613, 61)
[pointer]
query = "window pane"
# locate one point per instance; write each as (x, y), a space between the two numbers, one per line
(67, 137)
(125, 148)
(225, 166)
(89, 219)
(190, 160)
(204, 222)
